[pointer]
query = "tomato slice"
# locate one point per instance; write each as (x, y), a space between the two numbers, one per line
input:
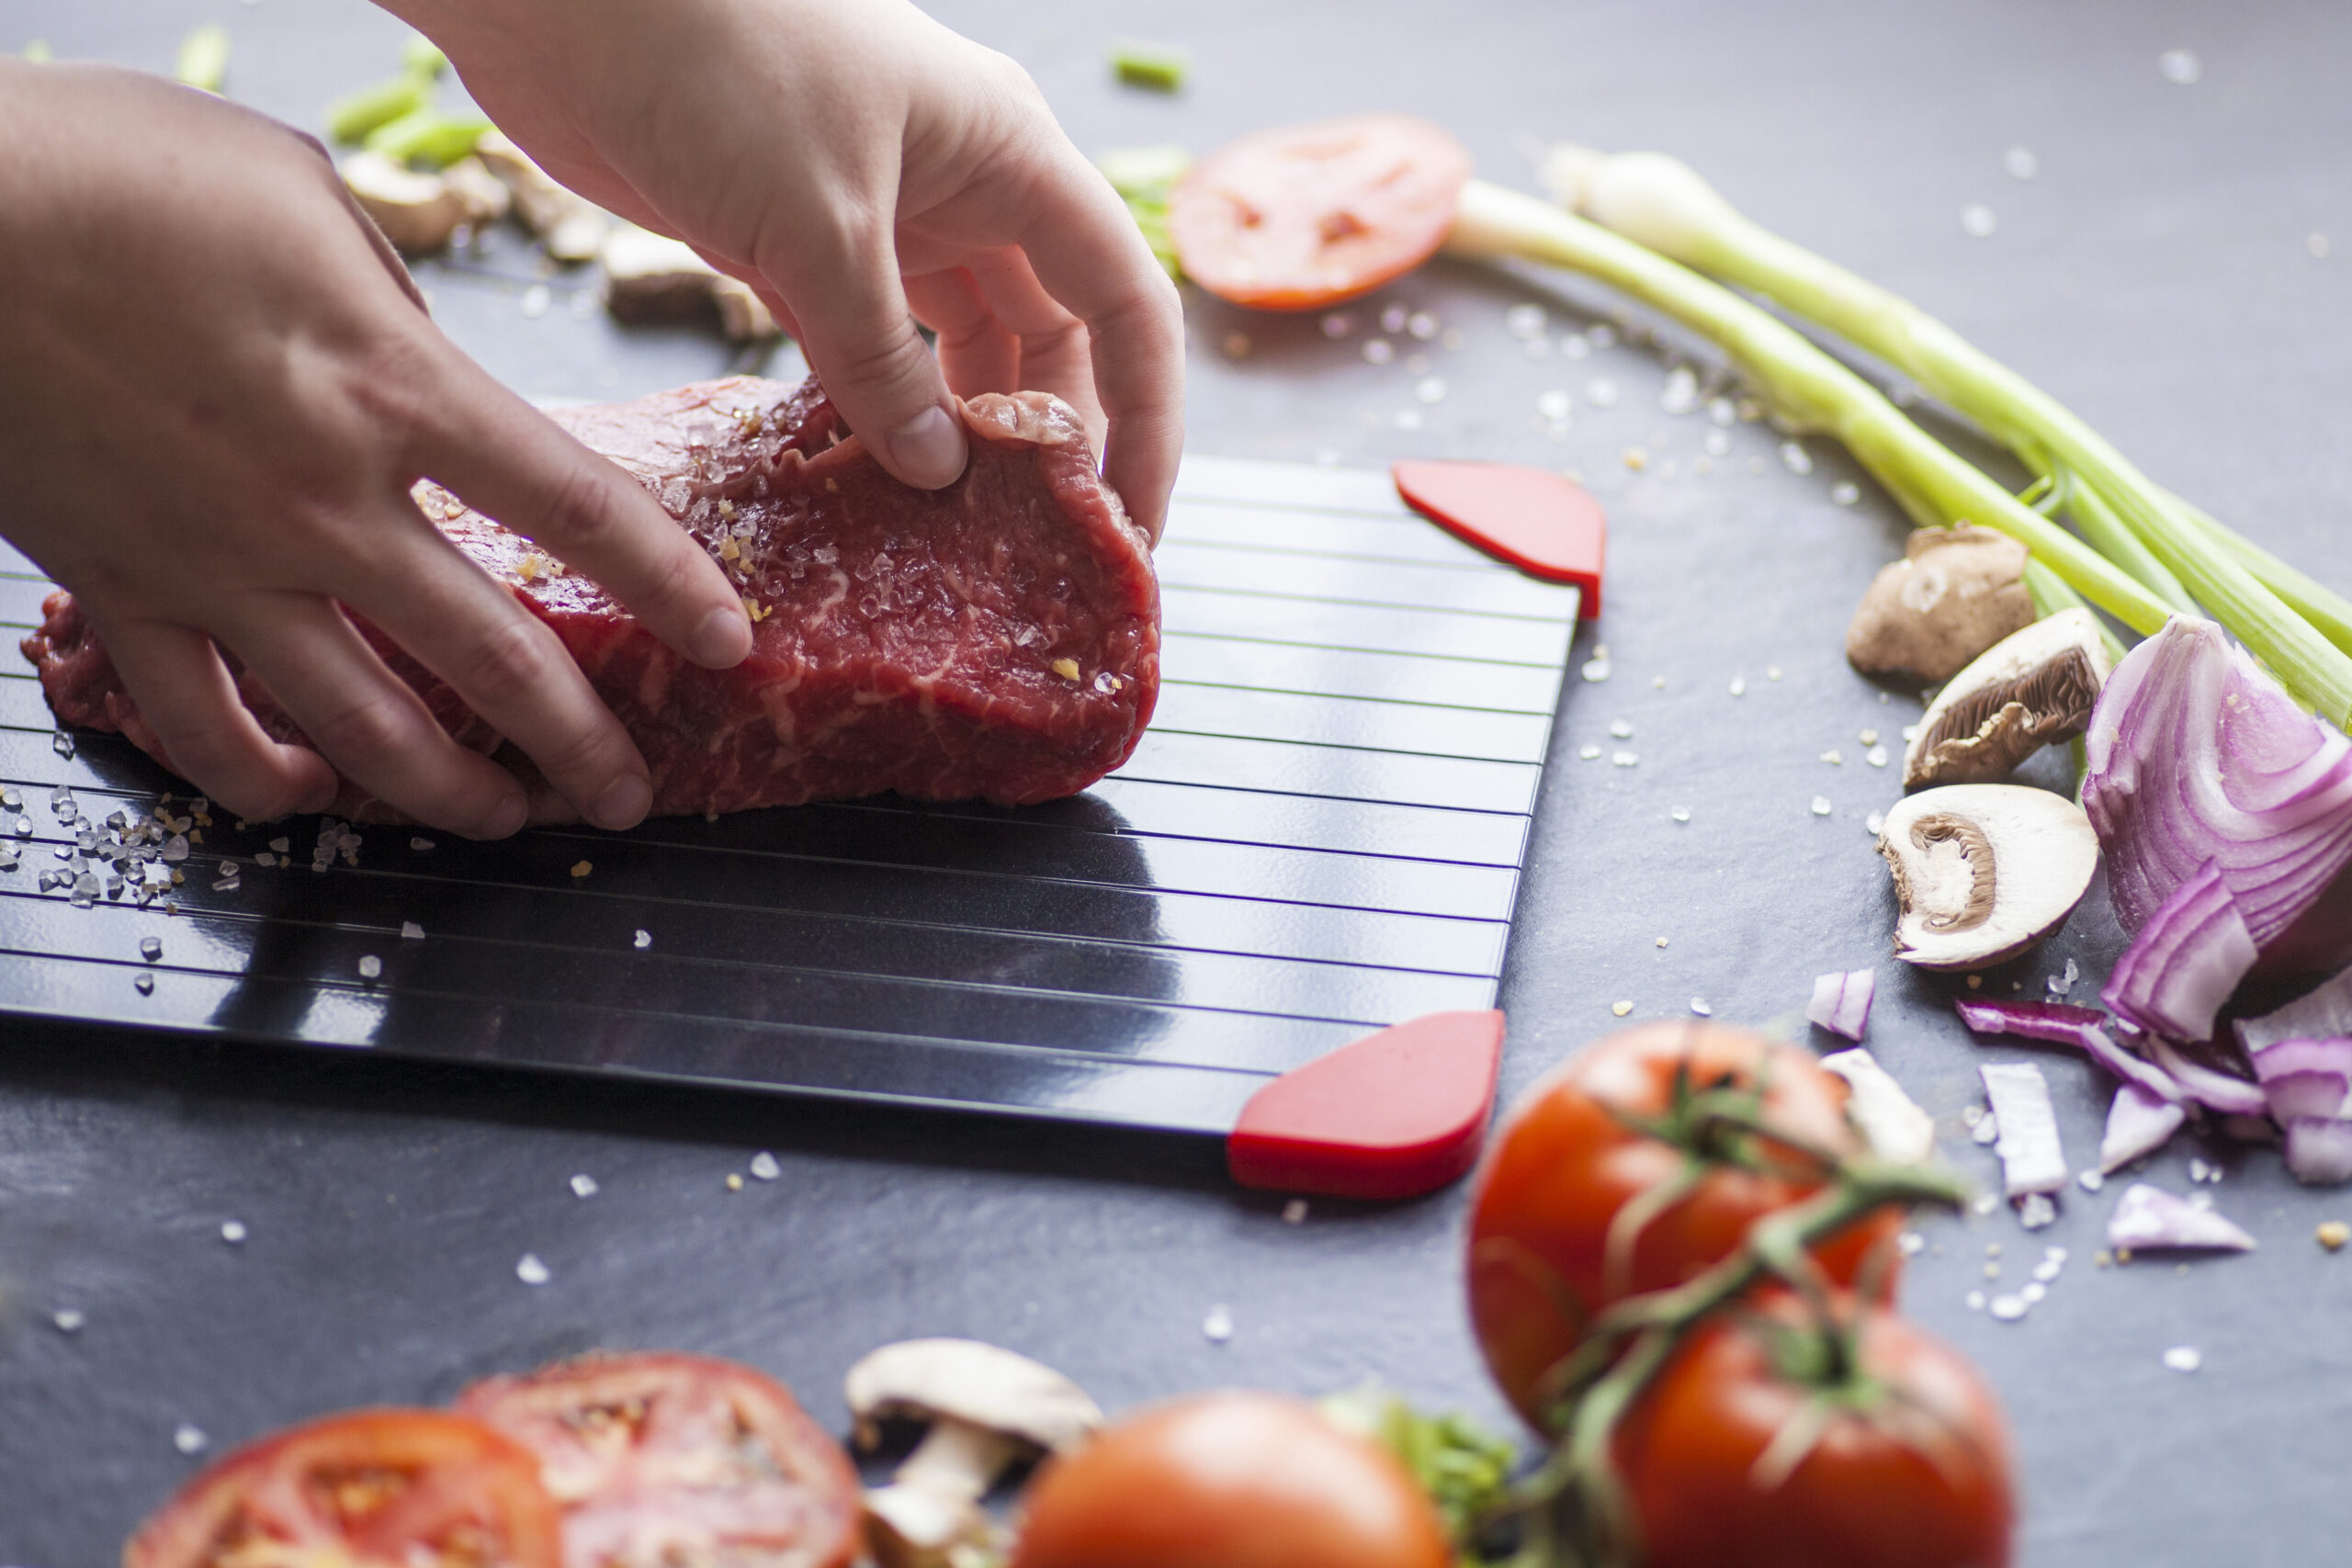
(371, 1489)
(658, 1457)
(1305, 216)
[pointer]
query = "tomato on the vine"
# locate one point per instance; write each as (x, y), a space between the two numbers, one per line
(1747, 1453)
(1613, 1142)
(371, 1489)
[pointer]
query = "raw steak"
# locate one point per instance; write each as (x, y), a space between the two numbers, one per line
(997, 641)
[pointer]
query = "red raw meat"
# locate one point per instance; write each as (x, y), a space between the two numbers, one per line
(996, 640)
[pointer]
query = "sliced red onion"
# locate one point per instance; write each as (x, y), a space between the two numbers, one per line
(2197, 758)
(2224, 1092)
(2149, 1216)
(2323, 1014)
(1889, 1120)
(2183, 964)
(2137, 1123)
(2032, 1159)
(2063, 1024)
(1841, 1003)
(2319, 1150)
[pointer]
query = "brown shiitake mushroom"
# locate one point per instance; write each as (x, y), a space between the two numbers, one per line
(1955, 593)
(1982, 871)
(650, 277)
(2029, 690)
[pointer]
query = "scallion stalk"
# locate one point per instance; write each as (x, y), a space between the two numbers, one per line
(203, 60)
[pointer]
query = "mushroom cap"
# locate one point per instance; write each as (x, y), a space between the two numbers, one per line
(2031, 689)
(964, 1380)
(417, 212)
(1983, 871)
(1955, 593)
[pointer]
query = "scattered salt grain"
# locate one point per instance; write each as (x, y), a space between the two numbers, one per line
(1834, 757)
(419, 845)
(1575, 346)
(536, 300)
(1378, 350)
(2091, 1180)
(64, 742)
(1973, 1301)
(2020, 163)
(1600, 393)
(2007, 1308)
(1596, 670)
(1912, 1243)
(190, 1438)
(645, 939)
(1699, 1006)
(1217, 1326)
(1845, 493)
(68, 1320)
(1524, 321)
(2180, 67)
(1421, 324)
(412, 931)
(1681, 394)
(2034, 1294)
(530, 1270)
(1622, 729)
(1796, 458)
(1821, 807)
(1588, 753)
(1986, 1128)
(151, 948)
(1875, 756)
(1555, 405)
(583, 1186)
(1624, 759)
(2036, 1211)
(2184, 1358)
(1976, 220)
(232, 1232)
(1339, 324)
(1621, 1008)
(143, 983)
(1294, 1211)
(1739, 685)
(1681, 814)
(371, 967)
(764, 1166)
(1430, 388)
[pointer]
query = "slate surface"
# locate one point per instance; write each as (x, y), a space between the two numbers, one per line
(2155, 274)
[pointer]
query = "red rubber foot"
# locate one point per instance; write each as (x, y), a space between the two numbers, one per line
(1544, 523)
(1392, 1115)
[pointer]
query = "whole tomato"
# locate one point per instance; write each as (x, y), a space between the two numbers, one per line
(1234, 1479)
(1570, 1159)
(1901, 1460)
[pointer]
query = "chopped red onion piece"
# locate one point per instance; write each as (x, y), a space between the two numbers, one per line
(2224, 1092)
(2149, 1216)
(2137, 1123)
(2067, 1025)
(2319, 1150)
(2197, 757)
(2323, 1014)
(1841, 1003)
(1891, 1122)
(2185, 961)
(2032, 1159)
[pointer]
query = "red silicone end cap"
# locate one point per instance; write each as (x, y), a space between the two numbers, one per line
(1392, 1115)
(1544, 523)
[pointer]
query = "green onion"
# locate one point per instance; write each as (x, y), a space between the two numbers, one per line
(356, 115)
(204, 58)
(38, 51)
(419, 56)
(428, 136)
(2169, 548)
(1144, 176)
(1808, 389)
(1158, 65)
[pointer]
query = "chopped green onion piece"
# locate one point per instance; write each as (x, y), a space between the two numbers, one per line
(38, 51)
(420, 56)
(1144, 176)
(204, 58)
(428, 136)
(356, 115)
(1158, 65)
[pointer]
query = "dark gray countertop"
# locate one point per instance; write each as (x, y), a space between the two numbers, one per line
(2156, 274)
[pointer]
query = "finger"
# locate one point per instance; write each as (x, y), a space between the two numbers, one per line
(209, 738)
(1055, 353)
(843, 289)
(977, 352)
(508, 460)
(467, 627)
(1088, 253)
(370, 725)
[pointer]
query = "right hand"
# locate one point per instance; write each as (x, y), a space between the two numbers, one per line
(220, 386)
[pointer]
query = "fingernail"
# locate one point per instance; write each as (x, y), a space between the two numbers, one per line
(928, 449)
(508, 818)
(624, 802)
(722, 639)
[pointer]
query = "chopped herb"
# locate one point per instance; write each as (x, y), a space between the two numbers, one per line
(1160, 66)
(204, 58)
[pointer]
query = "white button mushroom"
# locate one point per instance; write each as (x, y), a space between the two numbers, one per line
(1983, 871)
(2031, 689)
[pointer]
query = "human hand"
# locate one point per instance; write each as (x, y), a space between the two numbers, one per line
(851, 160)
(220, 386)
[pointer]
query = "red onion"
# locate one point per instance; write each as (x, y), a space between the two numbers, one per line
(2198, 758)
(2302, 1055)
(2224, 1092)
(2185, 962)
(2149, 1216)
(2137, 1123)
(1841, 1003)
(2063, 1024)
(2031, 1159)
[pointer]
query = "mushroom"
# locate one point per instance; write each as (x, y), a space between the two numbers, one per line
(986, 1407)
(1982, 871)
(650, 277)
(2031, 689)
(571, 226)
(1955, 593)
(418, 212)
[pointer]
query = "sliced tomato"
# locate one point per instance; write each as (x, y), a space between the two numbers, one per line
(1572, 1155)
(1733, 1462)
(371, 1489)
(657, 1458)
(1308, 215)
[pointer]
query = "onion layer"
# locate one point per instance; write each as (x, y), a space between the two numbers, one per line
(2186, 960)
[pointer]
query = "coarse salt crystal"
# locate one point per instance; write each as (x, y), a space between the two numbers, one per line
(583, 1186)
(2184, 1359)
(190, 1438)
(1821, 807)
(764, 1166)
(68, 1320)
(645, 939)
(1217, 1326)
(370, 966)
(1621, 1008)
(530, 1270)
(232, 1232)
(1294, 1211)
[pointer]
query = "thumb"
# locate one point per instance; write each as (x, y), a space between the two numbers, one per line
(861, 340)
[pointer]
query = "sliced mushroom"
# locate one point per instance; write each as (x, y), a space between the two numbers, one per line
(2029, 690)
(571, 227)
(650, 277)
(418, 212)
(1982, 871)
(1955, 593)
(987, 1409)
